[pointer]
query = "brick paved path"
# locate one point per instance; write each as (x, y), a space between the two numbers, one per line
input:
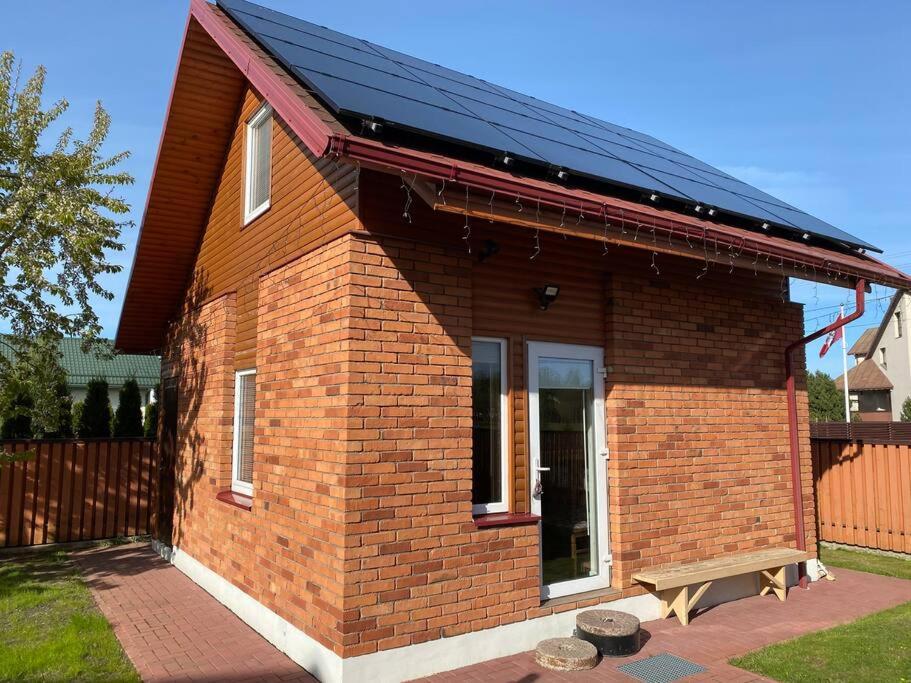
(170, 628)
(720, 633)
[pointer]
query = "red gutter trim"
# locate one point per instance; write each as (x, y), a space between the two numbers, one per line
(404, 160)
(793, 423)
(286, 103)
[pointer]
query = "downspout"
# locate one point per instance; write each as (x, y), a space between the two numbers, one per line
(793, 425)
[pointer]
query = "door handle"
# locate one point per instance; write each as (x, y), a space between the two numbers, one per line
(542, 469)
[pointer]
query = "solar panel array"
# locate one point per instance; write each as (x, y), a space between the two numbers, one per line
(358, 78)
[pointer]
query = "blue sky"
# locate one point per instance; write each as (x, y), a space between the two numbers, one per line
(808, 101)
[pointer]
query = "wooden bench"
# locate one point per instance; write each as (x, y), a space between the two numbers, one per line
(673, 584)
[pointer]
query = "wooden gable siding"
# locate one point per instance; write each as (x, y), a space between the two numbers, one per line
(504, 304)
(313, 201)
(207, 90)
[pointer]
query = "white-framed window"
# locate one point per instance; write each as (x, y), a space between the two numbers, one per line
(490, 438)
(899, 329)
(258, 163)
(244, 412)
(882, 357)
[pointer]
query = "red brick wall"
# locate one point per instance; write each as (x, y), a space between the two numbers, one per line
(287, 552)
(697, 421)
(361, 531)
(418, 568)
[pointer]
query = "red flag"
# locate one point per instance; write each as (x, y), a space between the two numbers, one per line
(833, 337)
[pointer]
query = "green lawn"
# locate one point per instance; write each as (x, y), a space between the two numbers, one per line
(866, 562)
(874, 648)
(50, 629)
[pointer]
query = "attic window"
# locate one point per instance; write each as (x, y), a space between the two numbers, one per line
(882, 357)
(899, 331)
(258, 163)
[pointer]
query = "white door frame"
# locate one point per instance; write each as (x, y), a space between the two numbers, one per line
(536, 351)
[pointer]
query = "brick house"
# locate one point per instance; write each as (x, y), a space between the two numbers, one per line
(419, 407)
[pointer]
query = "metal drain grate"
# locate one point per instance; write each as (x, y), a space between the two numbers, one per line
(661, 669)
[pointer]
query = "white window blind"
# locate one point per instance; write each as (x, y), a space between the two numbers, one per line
(258, 163)
(244, 412)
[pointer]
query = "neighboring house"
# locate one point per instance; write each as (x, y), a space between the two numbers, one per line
(881, 381)
(81, 367)
(870, 392)
(424, 398)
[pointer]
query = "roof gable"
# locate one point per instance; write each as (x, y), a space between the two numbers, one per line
(864, 344)
(866, 376)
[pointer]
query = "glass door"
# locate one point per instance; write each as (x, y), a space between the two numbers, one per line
(568, 466)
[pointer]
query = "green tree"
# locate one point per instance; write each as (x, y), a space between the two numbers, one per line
(128, 416)
(150, 421)
(37, 372)
(827, 403)
(40, 368)
(95, 419)
(58, 215)
(906, 410)
(76, 419)
(65, 426)
(15, 410)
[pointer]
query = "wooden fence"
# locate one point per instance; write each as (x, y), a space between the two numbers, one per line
(872, 432)
(76, 490)
(863, 493)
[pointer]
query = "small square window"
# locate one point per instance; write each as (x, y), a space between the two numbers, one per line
(244, 412)
(258, 164)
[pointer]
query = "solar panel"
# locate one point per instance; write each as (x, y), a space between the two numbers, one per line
(361, 79)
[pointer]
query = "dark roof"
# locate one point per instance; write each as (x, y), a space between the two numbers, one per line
(362, 81)
(866, 376)
(219, 58)
(80, 366)
(864, 344)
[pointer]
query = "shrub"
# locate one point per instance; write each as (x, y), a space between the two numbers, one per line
(76, 416)
(16, 405)
(128, 416)
(906, 410)
(827, 403)
(150, 423)
(95, 420)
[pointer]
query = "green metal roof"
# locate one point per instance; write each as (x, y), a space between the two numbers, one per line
(80, 367)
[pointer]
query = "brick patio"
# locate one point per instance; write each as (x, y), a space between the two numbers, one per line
(720, 633)
(172, 630)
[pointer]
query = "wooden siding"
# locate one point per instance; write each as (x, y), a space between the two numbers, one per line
(313, 201)
(197, 173)
(207, 91)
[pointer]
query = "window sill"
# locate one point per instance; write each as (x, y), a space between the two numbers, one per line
(601, 594)
(238, 500)
(257, 212)
(505, 519)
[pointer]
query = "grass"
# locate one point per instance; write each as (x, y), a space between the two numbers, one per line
(874, 648)
(873, 563)
(50, 629)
